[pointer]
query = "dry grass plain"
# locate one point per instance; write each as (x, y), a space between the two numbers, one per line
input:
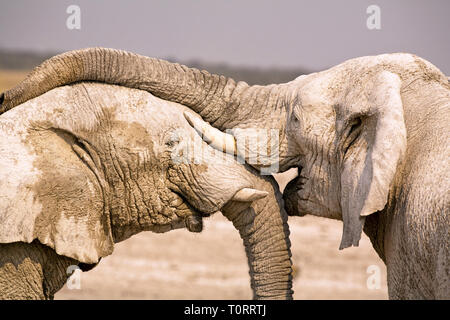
(212, 264)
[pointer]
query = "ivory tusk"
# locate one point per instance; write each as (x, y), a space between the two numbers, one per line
(215, 138)
(248, 195)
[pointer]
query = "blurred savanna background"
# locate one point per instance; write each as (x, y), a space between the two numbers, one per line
(260, 42)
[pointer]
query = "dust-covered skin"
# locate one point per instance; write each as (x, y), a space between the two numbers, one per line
(31, 271)
(89, 165)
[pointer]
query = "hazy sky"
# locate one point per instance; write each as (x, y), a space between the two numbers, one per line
(311, 34)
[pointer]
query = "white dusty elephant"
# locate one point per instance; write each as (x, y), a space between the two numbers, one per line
(370, 138)
(88, 165)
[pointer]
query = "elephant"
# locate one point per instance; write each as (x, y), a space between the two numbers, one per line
(371, 141)
(369, 138)
(87, 165)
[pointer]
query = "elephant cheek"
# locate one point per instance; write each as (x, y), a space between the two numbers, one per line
(208, 188)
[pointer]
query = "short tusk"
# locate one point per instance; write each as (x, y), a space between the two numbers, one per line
(248, 195)
(215, 138)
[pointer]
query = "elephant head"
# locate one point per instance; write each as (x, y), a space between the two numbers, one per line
(88, 165)
(344, 128)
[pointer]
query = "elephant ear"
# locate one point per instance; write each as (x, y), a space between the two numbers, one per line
(374, 146)
(48, 193)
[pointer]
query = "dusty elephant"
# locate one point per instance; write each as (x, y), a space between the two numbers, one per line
(371, 141)
(370, 138)
(88, 165)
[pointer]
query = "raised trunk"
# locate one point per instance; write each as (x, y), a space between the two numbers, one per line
(219, 100)
(265, 233)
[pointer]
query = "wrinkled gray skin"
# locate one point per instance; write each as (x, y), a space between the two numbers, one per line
(89, 165)
(370, 138)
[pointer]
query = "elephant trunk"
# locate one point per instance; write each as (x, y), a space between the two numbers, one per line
(218, 99)
(265, 233)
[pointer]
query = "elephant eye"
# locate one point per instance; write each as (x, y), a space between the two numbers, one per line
(355, 126)
(173, 140)
(295, 114)
(353, 133)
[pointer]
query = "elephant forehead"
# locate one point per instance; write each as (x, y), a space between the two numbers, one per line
(152, 120)
(150, 111)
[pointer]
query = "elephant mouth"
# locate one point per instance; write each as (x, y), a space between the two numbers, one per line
(292, 194)
(193, 222)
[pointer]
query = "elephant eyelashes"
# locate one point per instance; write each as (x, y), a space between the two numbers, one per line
(353, 134)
